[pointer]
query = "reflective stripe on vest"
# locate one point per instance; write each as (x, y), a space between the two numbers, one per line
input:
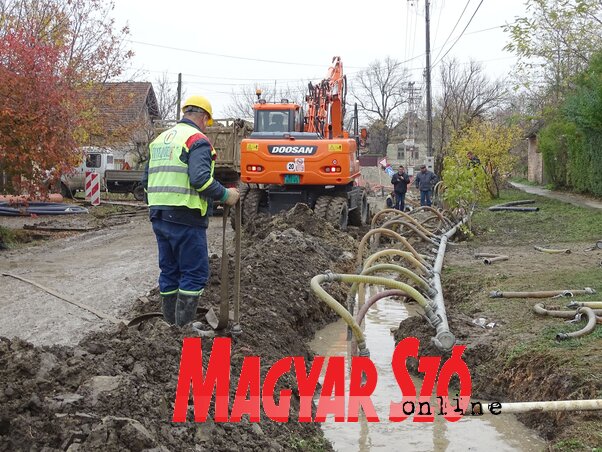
(168, 181)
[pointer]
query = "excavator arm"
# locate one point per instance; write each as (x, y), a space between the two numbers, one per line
(326, 103)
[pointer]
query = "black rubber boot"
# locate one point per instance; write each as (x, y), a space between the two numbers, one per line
(186, 309)
(168, 306)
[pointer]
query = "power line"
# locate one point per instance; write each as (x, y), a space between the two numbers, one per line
(453, 29)
(222, 55)
(438, 21)
(456, 41)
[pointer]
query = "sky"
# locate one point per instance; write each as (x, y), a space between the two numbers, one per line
(221, 46)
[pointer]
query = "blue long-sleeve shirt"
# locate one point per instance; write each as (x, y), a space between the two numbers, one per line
(198, 157)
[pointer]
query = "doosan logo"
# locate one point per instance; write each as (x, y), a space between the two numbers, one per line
(293, 150)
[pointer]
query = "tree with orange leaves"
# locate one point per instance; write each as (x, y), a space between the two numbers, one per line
(51, 53)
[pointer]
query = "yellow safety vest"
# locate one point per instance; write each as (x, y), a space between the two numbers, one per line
(168, 181)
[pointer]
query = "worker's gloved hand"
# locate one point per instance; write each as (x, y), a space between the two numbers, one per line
(233, 196)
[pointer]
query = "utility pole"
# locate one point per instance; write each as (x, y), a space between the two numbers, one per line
(429, 104)
(179, 95)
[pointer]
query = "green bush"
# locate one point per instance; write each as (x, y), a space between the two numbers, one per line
(571, 141)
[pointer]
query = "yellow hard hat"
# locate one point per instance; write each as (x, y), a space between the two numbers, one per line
(200, 102)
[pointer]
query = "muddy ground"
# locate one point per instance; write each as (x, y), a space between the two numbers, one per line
(519, 359)
(115, 389)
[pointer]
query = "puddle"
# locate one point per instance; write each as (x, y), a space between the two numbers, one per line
(504, 432)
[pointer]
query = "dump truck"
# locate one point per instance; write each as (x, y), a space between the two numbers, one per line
(295, 157)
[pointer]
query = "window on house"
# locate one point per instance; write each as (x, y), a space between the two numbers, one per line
(401, 152)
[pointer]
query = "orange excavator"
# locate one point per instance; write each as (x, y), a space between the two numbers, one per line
(295, 157)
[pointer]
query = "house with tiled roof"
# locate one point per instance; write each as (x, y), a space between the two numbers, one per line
(126, 112)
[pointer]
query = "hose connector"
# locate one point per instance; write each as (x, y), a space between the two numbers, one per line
(444, 341)
(431, 292)
(562, 337)
(495, 294)
(363, 350)
(328, 276)
(433, 319)
(589, 291)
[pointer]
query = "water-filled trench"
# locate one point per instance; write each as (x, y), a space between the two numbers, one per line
(502, 432)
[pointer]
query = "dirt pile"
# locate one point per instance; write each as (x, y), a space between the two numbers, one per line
(115, 390)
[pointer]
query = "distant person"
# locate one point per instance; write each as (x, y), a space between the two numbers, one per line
(425, 182)
(473, 160)
(400, 181)
(390, 200)
(276, 123)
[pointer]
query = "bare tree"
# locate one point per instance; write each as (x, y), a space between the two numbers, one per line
(241, 105)
(379, 92)
(167, 97)
(467, 94)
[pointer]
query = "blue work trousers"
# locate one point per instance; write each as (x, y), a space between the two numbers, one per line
(183, 257)
(400, 199)
(425, 197)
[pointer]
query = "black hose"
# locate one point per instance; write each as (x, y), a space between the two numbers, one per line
(39, 208)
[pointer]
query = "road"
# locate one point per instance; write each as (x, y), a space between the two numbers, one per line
(107, 270)
(571, 198)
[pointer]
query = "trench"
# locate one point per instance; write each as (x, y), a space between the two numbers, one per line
(503, 432)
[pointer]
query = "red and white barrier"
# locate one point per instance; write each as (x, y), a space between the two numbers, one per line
(93, 188)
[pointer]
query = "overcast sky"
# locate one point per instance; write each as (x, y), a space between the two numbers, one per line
(219, 46)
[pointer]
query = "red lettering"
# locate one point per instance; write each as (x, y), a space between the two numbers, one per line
(407, 347)
(249, 382)
(455, 365)
(359, 395)
(277, 413)
(334, 382)
(307, 384)
(191, 373)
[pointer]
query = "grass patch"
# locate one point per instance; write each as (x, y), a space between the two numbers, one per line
(569, 445)
(556, 222)
(7, 237)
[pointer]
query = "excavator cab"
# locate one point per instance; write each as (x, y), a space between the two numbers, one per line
(277, 119)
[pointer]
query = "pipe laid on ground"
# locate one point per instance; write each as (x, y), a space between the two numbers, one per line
(542, 294)
(587, 329)
(491, 260)
(361, 313)
(414, 229)
(412, 220)
(540, 309)
(357, 287)
(552, 251)
(426, 304)
(444, 340)
(513, 209)
(585, 304)
(389, 233)
(544, 407)
(426, 271)
(383, 212)
(481, 255)
(517, 203)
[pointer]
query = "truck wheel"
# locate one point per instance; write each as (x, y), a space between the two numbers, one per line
(338, 212)
(250, 206)
(139, 193)
(321, 206)
(359, 215)
(65, 191)
(244, 191)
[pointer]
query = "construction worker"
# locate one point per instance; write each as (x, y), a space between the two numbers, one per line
(180, 188)
(425, 180)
